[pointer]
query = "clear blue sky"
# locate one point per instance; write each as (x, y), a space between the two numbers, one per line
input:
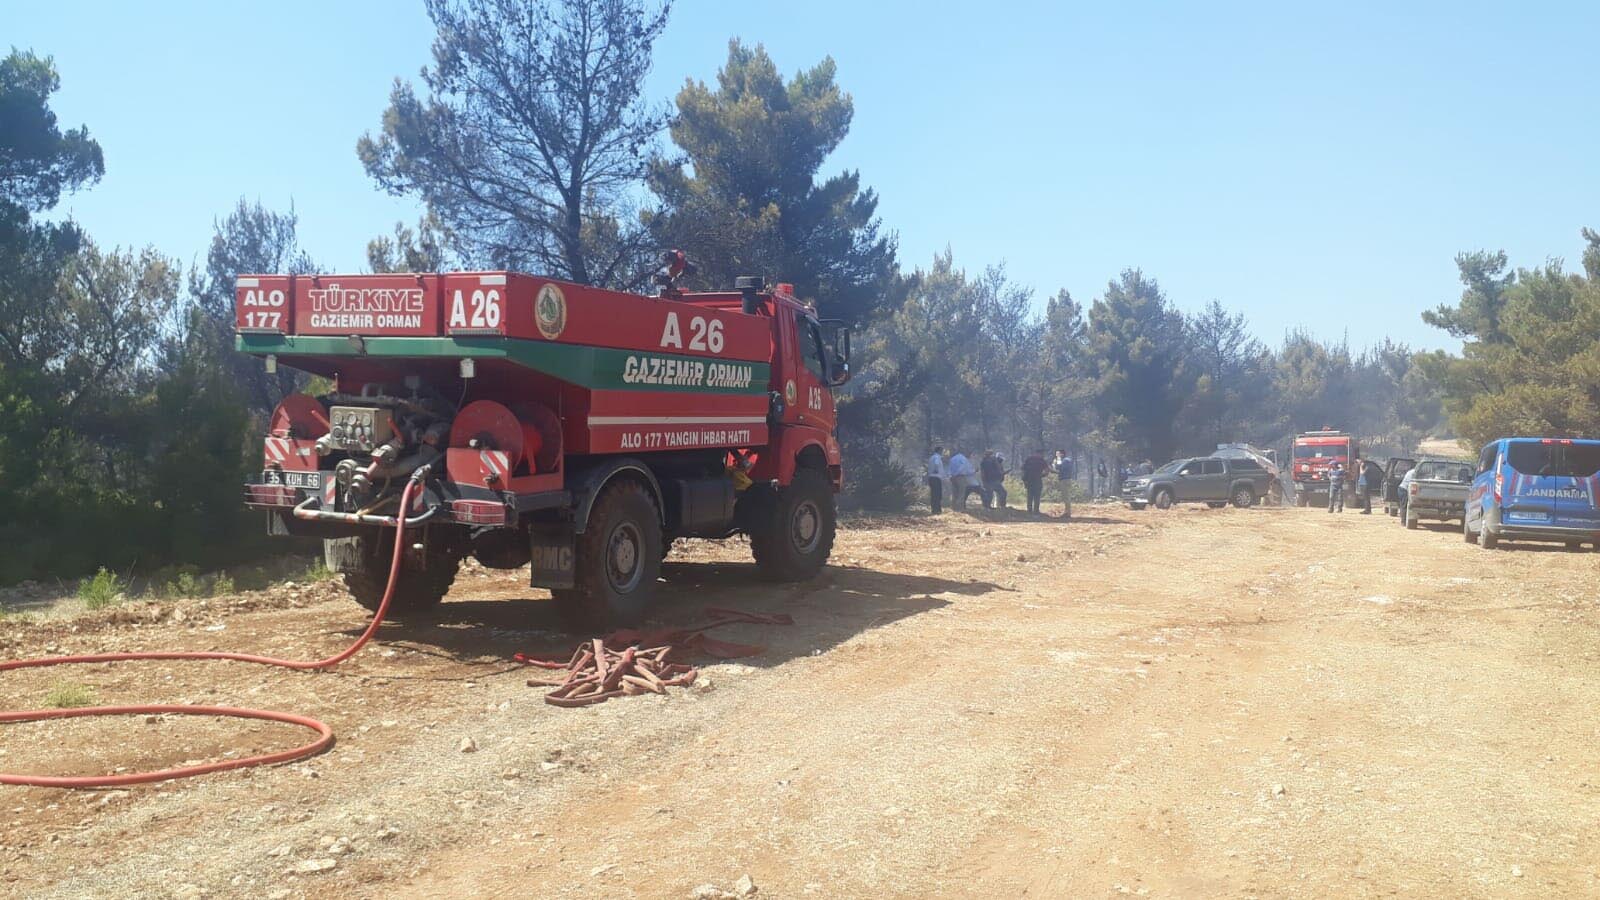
(1313, 166)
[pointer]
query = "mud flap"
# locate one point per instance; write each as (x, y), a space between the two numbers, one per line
(554, 561)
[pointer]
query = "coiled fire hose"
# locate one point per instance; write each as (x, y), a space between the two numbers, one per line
(324, 733)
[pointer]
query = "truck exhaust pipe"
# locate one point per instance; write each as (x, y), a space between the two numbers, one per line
(749, 287)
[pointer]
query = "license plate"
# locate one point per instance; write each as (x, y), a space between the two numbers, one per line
(307, 481)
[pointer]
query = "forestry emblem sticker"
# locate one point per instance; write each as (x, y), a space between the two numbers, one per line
(550, 312)
(790, 394)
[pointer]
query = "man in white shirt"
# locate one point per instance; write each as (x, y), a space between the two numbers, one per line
(961, 473)
(937, 472)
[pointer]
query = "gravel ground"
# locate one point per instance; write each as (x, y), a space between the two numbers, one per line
(1199, 702)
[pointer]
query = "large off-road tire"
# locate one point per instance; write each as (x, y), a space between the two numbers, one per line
(618, 560)
(792, 530)
(1466, 532)
(1244, 496)
(1301, 499)
(365, 560)
(1161, 499)
(1412, 519)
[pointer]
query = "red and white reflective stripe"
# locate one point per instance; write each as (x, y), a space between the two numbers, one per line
(278, 449)
(330, 491)
(495, 463)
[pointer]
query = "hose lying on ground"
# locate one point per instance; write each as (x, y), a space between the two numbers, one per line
(324, 733)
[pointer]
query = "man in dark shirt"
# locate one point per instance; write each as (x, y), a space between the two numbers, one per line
(994, 479)
(1033, 469)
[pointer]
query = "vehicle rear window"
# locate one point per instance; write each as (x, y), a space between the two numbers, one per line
(1582, 460)
(1562, 460)
(1446, 471)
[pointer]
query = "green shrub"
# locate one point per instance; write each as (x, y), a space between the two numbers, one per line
(878, 484)
(187, 584)
(318, 571)
(68, 695)
(102, 590)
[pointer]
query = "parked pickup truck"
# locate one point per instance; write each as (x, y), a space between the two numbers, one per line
(1393, 472)
(1211, 480)
(1435, 489)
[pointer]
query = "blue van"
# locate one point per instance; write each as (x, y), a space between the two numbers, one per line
(1535, 489)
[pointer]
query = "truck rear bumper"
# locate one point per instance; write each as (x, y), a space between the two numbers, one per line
(1520, 532)
(1435, 508)
(441, 501)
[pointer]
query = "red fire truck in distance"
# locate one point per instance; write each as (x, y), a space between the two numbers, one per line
(1314, 452)
(563, 427)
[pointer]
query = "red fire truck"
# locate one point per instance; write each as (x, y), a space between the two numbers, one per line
(573, 429)
(1314, 453)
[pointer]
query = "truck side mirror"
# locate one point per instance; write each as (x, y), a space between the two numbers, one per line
(836, 346)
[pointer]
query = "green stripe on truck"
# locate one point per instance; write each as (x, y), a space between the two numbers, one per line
(596, 368)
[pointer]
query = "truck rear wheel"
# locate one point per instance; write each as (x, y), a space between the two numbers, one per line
(792, 531)
(1411, 518)
(364, 561)
(1487, 539)
(1300, 499)
(618, 560)
(1244, 496)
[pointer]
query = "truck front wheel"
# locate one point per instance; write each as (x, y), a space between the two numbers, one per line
(618, 560)
(364, 561)
(791, 533)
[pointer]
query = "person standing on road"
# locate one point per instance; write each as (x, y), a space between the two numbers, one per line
(937, 473)
(961, 473)
(1065, 470)
(1033, 469)
(993, 470)
(1336, 487)
(1363, 487)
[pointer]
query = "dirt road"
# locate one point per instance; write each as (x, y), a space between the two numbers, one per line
(1200, 702)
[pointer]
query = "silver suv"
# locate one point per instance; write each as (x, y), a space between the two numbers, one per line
(1212, 480)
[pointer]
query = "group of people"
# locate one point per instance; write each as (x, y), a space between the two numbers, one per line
(988, 479)
(1368, 477)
